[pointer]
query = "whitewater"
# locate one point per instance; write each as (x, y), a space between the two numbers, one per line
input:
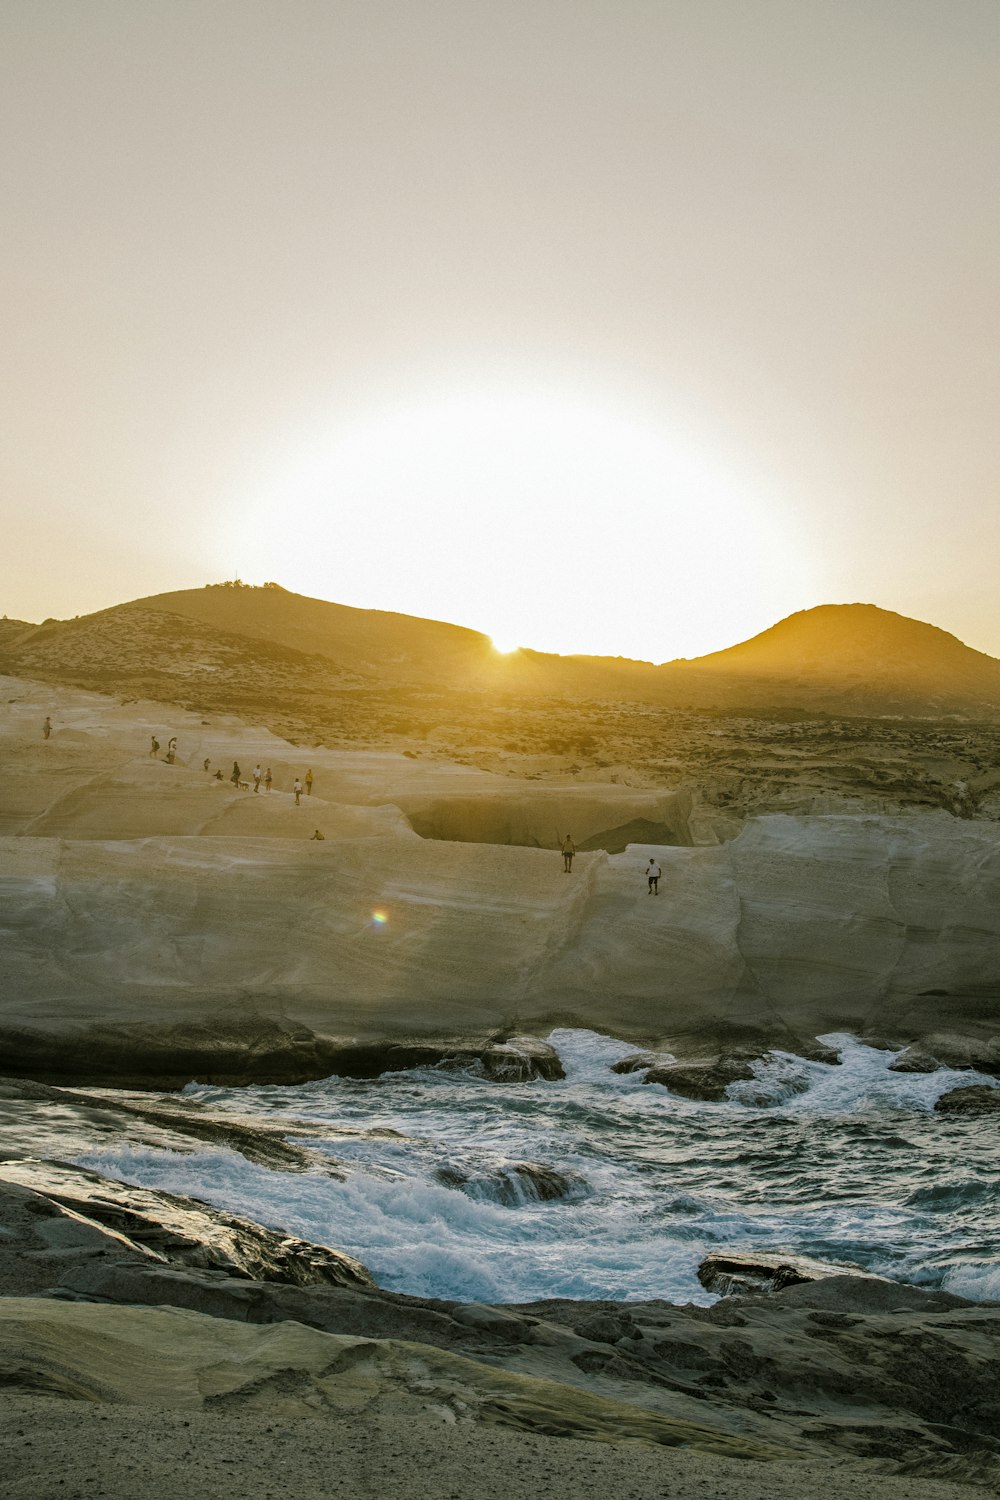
(448, 1184)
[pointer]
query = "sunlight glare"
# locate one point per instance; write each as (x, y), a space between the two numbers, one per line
(550, 520)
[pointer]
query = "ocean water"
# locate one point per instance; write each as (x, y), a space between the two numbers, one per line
(845, 1162)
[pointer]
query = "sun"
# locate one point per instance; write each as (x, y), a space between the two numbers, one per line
(546, 518)
(504, 645)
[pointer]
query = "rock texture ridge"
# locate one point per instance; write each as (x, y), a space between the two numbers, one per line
(160, 924)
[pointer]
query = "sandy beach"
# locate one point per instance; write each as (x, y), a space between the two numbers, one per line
(60, 1449)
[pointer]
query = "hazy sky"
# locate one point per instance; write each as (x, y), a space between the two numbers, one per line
(625, 326)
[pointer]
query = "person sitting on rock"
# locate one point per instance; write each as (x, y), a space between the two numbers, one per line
(653, 873)
(568, 850)
(318, 835)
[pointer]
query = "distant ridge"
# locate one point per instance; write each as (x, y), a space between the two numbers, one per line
(862, 650)
(269, 643)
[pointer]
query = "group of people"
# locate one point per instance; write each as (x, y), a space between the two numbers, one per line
(257, 777)
(265, 778)
(653, 871)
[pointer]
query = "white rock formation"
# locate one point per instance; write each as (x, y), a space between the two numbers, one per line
(134, 894)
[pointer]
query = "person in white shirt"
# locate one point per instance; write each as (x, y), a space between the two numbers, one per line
(653, 873)
(256, 778)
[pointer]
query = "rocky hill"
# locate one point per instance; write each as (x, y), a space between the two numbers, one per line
(259, 645)
(857, 654)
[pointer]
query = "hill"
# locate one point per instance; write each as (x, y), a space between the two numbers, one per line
(249, 649)
(862, 653)
(361, 641)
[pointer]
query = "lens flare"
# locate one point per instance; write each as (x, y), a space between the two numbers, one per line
(379, 918)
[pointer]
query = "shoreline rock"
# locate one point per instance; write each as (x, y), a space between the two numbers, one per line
(974, 1099)
(733, 1273)
(848, 1369)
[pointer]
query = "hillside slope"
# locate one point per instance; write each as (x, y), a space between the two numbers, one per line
(260, 644)
(863, 650)
(359, 640)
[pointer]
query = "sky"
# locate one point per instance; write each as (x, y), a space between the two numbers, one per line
(617, 326)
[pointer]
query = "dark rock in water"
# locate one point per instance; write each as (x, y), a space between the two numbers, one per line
(513, 1184)
(976, 1099)
(955, 1051)
(914, 1059)
(737, 1274)
(515, 1059)
(520, 1059)
(636, 1062)
(706, 1080)
(815, 1051)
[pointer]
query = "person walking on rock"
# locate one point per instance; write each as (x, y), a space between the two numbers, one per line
(46, 728)
(653, 873)
(297, 789)
(267, 779)
(235, 777)
(256, 778)
(309, 782)
(568, 850)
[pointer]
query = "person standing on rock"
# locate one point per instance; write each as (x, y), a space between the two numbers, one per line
(267, 779)
(297, 789)
(235, 777)
(171, 749)
(309, 782)
(653, 873)
(46, 728)
(256, 778)
(154, 745)
(206, 763)
(568, 850)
